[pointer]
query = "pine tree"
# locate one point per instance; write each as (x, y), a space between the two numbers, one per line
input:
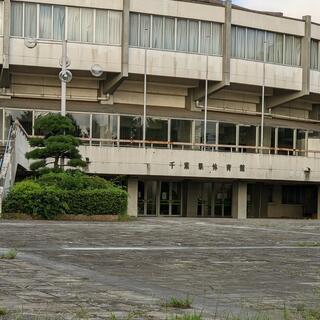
(58, 147)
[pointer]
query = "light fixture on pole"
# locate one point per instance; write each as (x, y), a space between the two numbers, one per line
(263, 96)
(145, 92)
(65, 75)
(96, 70)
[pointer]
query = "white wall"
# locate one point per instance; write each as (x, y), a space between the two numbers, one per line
(82, 56)
(175, 64)
(277, 76)
(156, 162)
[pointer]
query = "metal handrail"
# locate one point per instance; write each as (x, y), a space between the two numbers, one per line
(7, 147)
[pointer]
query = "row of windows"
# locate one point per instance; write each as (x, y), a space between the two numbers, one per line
(98, 128)
(54, 22)
(280, 48)
(175, 34)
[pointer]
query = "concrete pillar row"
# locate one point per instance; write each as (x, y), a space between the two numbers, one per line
(132, 210)
(239, 200)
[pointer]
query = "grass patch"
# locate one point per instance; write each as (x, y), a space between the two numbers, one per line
(82, 313)
(3, 312)
(9, 255)
(190, 316)
(309, 244)
(179, 303)
(125, 218)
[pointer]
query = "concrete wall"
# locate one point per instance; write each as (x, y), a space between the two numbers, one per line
(82, 56)
(267, 22)
(175, 64)
(156, 162)
(277, 76)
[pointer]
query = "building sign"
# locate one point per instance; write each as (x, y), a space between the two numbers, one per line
(215, 167)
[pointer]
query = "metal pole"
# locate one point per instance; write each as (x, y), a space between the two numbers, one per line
(206, 104)
(263, 95)
(145, 98)
(63, 83)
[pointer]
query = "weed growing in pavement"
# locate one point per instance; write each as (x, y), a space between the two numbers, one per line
(9, 255)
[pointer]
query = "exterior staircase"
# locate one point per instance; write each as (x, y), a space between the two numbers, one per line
(12, 155)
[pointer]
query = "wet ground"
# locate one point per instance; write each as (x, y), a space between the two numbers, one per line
(73, 270)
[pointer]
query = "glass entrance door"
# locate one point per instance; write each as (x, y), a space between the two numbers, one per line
(170, 199)
(223, 200)
(147, 198)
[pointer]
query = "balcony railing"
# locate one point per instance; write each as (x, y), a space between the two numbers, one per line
(200, 147)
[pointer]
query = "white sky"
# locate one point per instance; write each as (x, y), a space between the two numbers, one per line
(291, 8)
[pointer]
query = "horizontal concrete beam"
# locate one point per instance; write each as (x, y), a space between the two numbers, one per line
(200, 164)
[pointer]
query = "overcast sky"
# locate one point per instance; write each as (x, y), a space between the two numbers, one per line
(291, 8)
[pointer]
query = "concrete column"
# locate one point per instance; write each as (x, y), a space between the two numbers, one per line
(192, 200)
(125, 37)
(132, 210)
(239, 200)
(318, 209)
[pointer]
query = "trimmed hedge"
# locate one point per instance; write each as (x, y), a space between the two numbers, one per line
(48, 201)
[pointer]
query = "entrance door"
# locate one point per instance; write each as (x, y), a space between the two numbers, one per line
(170, 199)
(223, 200)
(147, 198)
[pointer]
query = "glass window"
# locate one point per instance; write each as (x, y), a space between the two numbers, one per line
(169, 33)
(199, 132)
(115, 27)
(260, 38)
(82, 123)
(45, 21)
(86, 25)
(157, 130)
(16, 19)
(205, 40)
(293, 195)
(270, 46)
(157, 32)
(30, 20)
(58, 23)
(217, 38)
(301, 144)
(227, 134)
(240, 43)
(233, 41)
(296, 52)
(251, 44)
(314, 54)
(182, 35)
(1, 16)
(73, 24)
(285, 139)
(181, 130)
(134, 29)
(289, 50)
(130, 128)
(193, 36)
(101, 26)
(24, 117)
(278, 48)
(144, 30)
(104, 126)
(247, 137)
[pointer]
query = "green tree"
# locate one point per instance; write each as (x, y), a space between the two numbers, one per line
(58, 146)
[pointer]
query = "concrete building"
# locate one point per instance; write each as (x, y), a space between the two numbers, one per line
(204, 108)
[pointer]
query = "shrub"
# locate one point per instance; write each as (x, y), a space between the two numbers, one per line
(59, 193)
(73, 180)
